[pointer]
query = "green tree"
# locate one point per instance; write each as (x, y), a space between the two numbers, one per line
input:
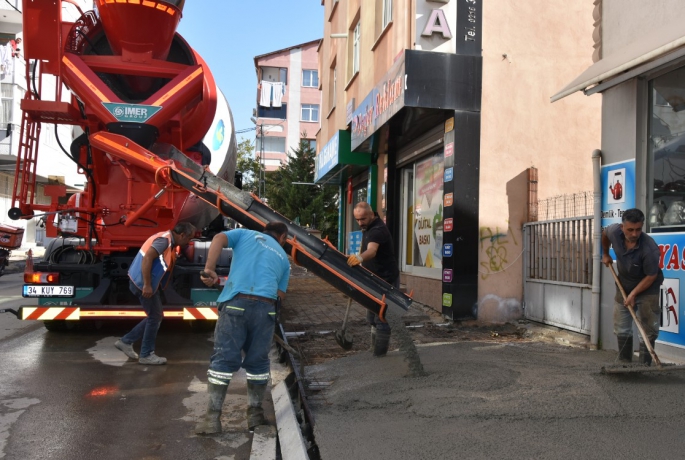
(248, 165)
(310, 205)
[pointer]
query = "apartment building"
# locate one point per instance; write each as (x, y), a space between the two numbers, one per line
(288, 102)
(434, 112)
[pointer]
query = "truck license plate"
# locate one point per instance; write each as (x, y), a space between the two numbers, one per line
(48, 291)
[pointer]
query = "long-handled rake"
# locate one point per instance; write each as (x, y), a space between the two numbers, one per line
(637, 368)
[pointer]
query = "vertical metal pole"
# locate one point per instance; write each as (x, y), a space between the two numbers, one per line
(262, 164)
(596, 249)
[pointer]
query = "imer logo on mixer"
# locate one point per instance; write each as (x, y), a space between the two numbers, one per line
(131, 112)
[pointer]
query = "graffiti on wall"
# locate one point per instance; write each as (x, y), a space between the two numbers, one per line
(495, 243)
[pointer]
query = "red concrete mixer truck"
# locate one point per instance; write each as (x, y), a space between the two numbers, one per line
(130, 75)
(156, 146)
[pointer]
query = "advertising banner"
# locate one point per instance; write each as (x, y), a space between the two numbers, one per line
(428, 225)
(384, 101)
(672, 247)
(618, 191)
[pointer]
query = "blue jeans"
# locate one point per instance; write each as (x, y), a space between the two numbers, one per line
(244, 325)
(148, 327)
(374, 320)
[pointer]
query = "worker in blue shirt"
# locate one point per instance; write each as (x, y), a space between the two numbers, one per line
(258, 279)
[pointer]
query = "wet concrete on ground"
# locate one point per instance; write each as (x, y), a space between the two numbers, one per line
(516, 390)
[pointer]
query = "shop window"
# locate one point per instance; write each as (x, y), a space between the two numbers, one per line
(359, 194)
(666, 211)
(422, 217)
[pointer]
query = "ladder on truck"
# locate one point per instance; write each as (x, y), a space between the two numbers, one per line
(35, 112)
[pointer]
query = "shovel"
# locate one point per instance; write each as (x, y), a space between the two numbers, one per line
(341, 336)
(628, 369)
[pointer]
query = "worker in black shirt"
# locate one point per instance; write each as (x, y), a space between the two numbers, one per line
(377, 255)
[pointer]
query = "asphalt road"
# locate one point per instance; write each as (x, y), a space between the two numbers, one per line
(74, 396)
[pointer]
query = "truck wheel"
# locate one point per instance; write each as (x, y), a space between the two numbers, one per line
(199, 326)
(59, 325)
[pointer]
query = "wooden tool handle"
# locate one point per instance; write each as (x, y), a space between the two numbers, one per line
(637, 321)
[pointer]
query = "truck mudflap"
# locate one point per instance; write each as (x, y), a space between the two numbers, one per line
(76, 313)
(172, 170)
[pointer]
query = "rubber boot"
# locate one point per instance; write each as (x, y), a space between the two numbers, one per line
(644, 356)
(380, 347)
(625, 348)
(212, 421)
(255, 412)
(373, 337)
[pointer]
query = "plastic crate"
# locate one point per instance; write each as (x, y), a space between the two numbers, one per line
(10, 237)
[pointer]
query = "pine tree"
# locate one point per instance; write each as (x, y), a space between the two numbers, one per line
(311, 205)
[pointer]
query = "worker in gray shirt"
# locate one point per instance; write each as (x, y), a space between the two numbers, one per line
(637, 257)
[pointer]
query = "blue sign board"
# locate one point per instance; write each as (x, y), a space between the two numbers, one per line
(384, 101)
(671, 246)
(447, 250)
(328, 157)
(354, 242)
(449, 175)
(618, 191)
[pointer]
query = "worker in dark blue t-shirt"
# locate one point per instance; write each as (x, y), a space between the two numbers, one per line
(637, 257)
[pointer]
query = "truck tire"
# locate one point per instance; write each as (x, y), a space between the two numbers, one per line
(199, 326)
(59, 325)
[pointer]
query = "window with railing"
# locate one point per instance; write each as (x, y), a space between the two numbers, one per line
(280, 113)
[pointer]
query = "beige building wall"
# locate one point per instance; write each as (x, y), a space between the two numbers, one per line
(378, 51)
(530, 50)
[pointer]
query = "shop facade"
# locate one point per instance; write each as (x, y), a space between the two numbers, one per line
(642, 84)
(441, 130)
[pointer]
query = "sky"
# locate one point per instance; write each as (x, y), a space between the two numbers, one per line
(228, 34)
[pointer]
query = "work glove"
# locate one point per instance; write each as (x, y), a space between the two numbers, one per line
(354, 260)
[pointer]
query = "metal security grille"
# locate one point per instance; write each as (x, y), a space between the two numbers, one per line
(559, 250)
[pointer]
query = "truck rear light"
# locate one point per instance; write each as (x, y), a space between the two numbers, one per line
(41, 278)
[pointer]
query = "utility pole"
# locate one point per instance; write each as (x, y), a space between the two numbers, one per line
(262, 163)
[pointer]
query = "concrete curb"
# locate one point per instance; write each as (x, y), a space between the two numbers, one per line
(293, 445)
(264, 443)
